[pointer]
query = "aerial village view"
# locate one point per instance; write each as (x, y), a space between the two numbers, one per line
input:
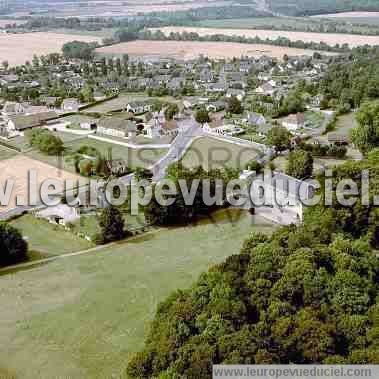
(189, 189)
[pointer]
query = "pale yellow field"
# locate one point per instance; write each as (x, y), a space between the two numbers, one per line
(189, 49)
(348, 15)
(352, 40)
(18, 169)
(18, 48)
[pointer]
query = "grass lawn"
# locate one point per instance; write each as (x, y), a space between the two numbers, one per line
(6, 153)
(81, 317)
(46, 239)
(313, 119)
(116, 104)
(123, 99)
(212, 153)
(133, 157)
(346, 123)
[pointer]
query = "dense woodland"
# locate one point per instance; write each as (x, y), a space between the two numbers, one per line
(308, 294)
(354, 80)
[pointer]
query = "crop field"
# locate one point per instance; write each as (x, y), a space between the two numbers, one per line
(83, 9)
(18, 48)
(17, 168)
(352, 40)
(211, 153)
(257, 22)
(190, 49)
(82, 316)
(349, 15)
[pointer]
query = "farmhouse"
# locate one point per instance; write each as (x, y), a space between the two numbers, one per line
(158, 127)
(256, 119)
(139, 107)
(216, 106)
(338, 139)
(18, 124)
(116, 127)
(11, 109)
(238, 93)
(294, 121)
(70, 105)
(286, 194)
(265, 89)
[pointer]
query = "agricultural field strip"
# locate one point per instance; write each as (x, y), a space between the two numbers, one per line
(352, 40)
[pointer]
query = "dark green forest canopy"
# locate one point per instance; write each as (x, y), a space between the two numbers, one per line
(308, 294)
(353, 79)
(311, 7)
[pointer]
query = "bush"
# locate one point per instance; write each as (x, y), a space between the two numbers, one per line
(253, 165)
(112, 225)
(45, 141)
(13, 248)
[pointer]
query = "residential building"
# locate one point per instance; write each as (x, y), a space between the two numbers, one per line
(294, 121)
(139, 107)
(116, 127)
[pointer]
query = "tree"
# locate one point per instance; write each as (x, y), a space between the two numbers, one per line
(141, 173)
(13, 248)
(307, 294)
(5, 64)
(112, 225)
(300, 164)
(202, 116)
(45, 141)
(170, 111)
(79, 49)
(234, 105)
(366, 135)
(279, 137)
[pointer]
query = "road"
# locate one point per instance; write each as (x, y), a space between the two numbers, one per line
(189, 131)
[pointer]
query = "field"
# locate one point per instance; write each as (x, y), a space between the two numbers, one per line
(117, 103)
(17, 168)
(83, 9)
(81, 317)
(190, 49)
(6, 153)
(132, 157)
(18, 48)
(349, 15)
(46, 239)
(211, 153)
(329, 38)
(353, 25)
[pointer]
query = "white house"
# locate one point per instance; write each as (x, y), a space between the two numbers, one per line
(294, 121)
(285, 196)
(116, 127)
(139, 107)
(265, 89)
(12, 108)
(70, 105)
(158, 127)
